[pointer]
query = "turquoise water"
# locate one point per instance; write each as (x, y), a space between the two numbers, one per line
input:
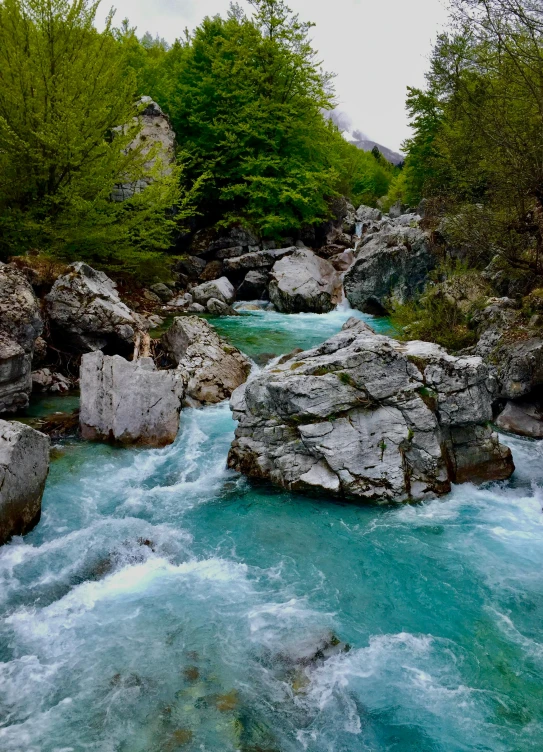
(258, 332)
(164, 603)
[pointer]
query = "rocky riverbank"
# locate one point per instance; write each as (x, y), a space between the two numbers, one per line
(362, 416)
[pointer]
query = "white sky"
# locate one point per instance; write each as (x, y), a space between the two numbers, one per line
(376, 47)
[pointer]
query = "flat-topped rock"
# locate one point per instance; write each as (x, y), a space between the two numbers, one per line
(366, 417)
(24, 466)
(129, 402)
(258, 260)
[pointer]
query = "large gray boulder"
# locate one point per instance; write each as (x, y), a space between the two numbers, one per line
(518, 366)
(24, 465)
(156, 138)
(366, 417)
(218, 289)
(392, 264)
(128, 402)
(87, 314)
(20, 326)
(522, 418)
(304, 282)
(210, 368)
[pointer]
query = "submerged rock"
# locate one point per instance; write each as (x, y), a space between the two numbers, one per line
(210, 368)
(20, 327)
(394, 263)
(366, 417)
(129, 402)
(87, 314)
(304, 282)
(24, 466)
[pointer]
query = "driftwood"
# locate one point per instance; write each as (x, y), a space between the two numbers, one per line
(142, 345)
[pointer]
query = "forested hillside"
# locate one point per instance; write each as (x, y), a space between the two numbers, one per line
(246, 95)
(476, 156)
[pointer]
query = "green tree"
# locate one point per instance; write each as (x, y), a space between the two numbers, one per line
(478, 142)
(64, 91)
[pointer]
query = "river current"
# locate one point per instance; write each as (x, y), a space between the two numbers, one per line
(165, 603)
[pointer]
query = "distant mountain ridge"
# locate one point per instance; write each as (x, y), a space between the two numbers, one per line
(366, 144)
(359, 139)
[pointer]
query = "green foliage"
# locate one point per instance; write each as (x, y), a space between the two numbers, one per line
(477, 149)
(246, 96)
(443, 312)
(64, 90)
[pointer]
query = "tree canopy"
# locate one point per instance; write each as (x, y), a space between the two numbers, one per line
(64, 91)
(477, 148)
(246, 95)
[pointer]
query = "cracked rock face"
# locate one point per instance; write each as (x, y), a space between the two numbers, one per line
(129, 402)
(303, 282)
(393, 263)
(24, 466)
(87, 314)
(210, 368)
(157, 137)
(20, 326)
(365, 417)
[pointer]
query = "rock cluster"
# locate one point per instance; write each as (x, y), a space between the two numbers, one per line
(366, 417)
(20, 326)
(210, 369)
(24, 466)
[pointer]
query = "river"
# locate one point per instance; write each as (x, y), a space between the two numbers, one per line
(165, 603)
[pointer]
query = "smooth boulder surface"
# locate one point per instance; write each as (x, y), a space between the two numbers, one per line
(24, 466)
(87, 314)
(210, 368)
(304, 282)
(365, 417)
(20, 327)
(523, 419)
(392, 264)
(128, 402)
(218, 289)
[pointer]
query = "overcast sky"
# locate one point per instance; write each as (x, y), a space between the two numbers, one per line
(376, 47)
